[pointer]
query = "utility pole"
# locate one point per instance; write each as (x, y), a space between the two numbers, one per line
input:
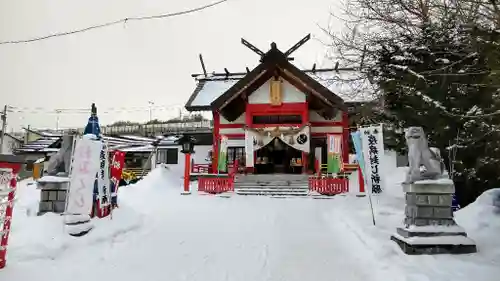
(4, 127)
(151, 110)
(58, 111)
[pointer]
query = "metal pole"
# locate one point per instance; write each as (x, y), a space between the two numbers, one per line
(4, 127)
(151, 110)
(57, 119)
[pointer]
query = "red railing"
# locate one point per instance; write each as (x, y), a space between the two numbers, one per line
(215, 184)
(218, 183)
(328, 186)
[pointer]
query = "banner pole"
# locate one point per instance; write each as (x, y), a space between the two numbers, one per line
(75, 138)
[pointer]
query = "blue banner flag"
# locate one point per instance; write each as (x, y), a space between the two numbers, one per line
(358, 147)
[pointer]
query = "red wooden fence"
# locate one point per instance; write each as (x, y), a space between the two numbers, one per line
(218, 183)
(328, 186)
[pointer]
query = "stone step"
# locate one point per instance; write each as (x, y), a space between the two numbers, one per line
(271, 177)
(271, 187)
(271, 192)
(270, 184)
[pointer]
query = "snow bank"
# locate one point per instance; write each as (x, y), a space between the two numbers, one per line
(481, 220)
(151, 192)
(44, 237)
(27, 197)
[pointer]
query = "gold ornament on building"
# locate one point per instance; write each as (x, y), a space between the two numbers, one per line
(275, 92)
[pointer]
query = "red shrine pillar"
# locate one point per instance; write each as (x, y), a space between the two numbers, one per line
(9, 168)
(187, 172)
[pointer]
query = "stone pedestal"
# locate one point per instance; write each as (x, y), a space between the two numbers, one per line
(52, 194)
(429, 227)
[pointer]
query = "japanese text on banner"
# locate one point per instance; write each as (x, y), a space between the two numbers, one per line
(85, 166)
(373, 151)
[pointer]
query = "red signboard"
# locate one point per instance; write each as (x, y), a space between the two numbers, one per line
(116, 170)
(8, 184)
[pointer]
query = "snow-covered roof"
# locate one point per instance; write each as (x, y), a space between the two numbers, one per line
(43, 145)
(348, 85)
(210, 90)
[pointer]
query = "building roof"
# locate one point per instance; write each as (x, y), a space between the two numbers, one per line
(44, 133)
(327, 85)
(126, 143)
(41, 145)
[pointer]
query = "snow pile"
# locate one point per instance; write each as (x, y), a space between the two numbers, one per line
(151, 192)
(481, 220)
(44, 237)
(27, 197)
(244, 238)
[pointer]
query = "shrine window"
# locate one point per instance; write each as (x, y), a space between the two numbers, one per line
(277, 119)
(234, 153)
(167, 156)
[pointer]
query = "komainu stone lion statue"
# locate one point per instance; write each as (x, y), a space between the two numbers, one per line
(421, 156)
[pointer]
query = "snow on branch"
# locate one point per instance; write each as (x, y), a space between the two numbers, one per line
(474, 113)
(407, 69)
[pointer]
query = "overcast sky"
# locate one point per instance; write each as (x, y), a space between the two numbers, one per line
(125, 66)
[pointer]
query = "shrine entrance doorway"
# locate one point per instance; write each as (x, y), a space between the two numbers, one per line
(278, 157)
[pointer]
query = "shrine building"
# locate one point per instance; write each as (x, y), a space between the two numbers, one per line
(274, 118)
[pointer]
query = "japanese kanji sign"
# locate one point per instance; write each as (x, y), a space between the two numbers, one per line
(85, 166)
(103, 187)
(373, 152)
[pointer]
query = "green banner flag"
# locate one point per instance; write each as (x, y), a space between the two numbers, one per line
(222, 163)
(334, 162)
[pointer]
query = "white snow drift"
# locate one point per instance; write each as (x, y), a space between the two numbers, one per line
(158, 234)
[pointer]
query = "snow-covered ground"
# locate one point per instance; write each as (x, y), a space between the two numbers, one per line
(158, 234)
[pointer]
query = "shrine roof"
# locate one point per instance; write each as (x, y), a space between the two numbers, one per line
(346, 84)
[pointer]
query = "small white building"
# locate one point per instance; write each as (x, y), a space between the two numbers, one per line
(10, 143)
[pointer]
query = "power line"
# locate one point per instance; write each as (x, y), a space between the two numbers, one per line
(125, 20)
(111, 110)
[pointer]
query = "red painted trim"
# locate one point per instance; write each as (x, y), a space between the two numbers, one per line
(298, 108)
(283, 109)
(235, 136)
(345, 138)
(215, 144)
(231, 126)
(327, 124)
(275, 125)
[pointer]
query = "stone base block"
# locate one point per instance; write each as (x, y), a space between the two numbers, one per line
(431, 231)
(440, 186)
(454, 244)
(428, 221)
(78, 225)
